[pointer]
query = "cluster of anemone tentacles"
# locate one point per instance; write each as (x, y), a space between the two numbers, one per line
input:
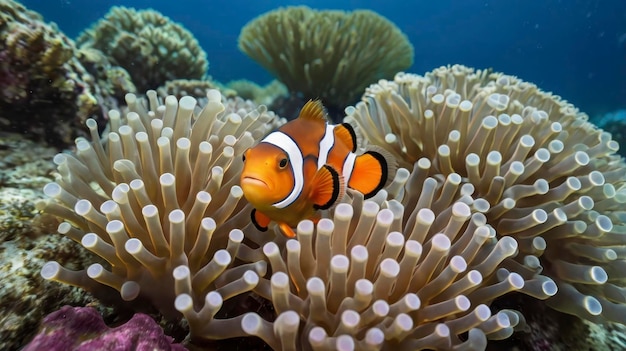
(503, 188)
(539, 171)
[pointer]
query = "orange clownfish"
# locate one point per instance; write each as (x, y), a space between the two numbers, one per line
(304, 166)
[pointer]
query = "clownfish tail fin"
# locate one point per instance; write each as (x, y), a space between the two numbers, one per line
(372, 171)
(328, 188)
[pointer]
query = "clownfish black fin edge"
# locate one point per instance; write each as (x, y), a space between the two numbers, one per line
(374, 169)
(383, 177)
(258, 217)
(327, 177)
(347, 134)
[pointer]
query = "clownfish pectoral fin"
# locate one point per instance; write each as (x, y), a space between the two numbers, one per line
(286, 230)
(260, 220)
(315, 218)
(371, 171)
(328, 187)
(347, 135)
(313, 110)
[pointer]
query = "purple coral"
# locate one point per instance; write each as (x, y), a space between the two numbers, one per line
(82, 329)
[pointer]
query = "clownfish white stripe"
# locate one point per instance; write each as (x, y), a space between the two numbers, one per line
(327, 143)
(348, 166)
(289, 146)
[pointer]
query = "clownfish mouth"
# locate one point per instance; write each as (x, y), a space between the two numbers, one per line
(253, 181)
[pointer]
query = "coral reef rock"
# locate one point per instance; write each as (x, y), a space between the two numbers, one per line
(82, 329)
(26, 298)
(44, 89)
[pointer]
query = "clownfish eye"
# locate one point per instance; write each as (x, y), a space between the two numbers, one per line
(283, 163)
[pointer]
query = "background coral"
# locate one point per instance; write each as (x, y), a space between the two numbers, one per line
(529, 161)
(614, 123)
(150, 46)
(44, 89)
(191, 87)
(113, 81)
(331, 55)
(265, 95)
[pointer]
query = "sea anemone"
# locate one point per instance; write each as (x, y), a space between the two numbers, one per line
(502, 188)
(372, 276)
(157, 199)
(529, 161)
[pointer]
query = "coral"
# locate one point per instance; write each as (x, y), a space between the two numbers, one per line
(331, 55)
(289, 106)
(82, 328)
(44, 89)
(548, 329)
(150, 46)
(114, 81)
(543, 176)
(188, 87)
(264, 95)
(245, 89)
(159, 202)
(614, 123)
(24, 168)
(26, 298)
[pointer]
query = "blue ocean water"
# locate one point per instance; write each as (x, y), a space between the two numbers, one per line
(574, 48)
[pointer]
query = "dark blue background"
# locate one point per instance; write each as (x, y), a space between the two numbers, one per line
(569, 47)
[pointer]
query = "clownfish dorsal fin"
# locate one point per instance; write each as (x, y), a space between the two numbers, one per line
(313, 110)
(328, 187)
(260, 220)
(347, 135)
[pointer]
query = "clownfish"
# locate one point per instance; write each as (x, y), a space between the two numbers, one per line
(305, 166)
